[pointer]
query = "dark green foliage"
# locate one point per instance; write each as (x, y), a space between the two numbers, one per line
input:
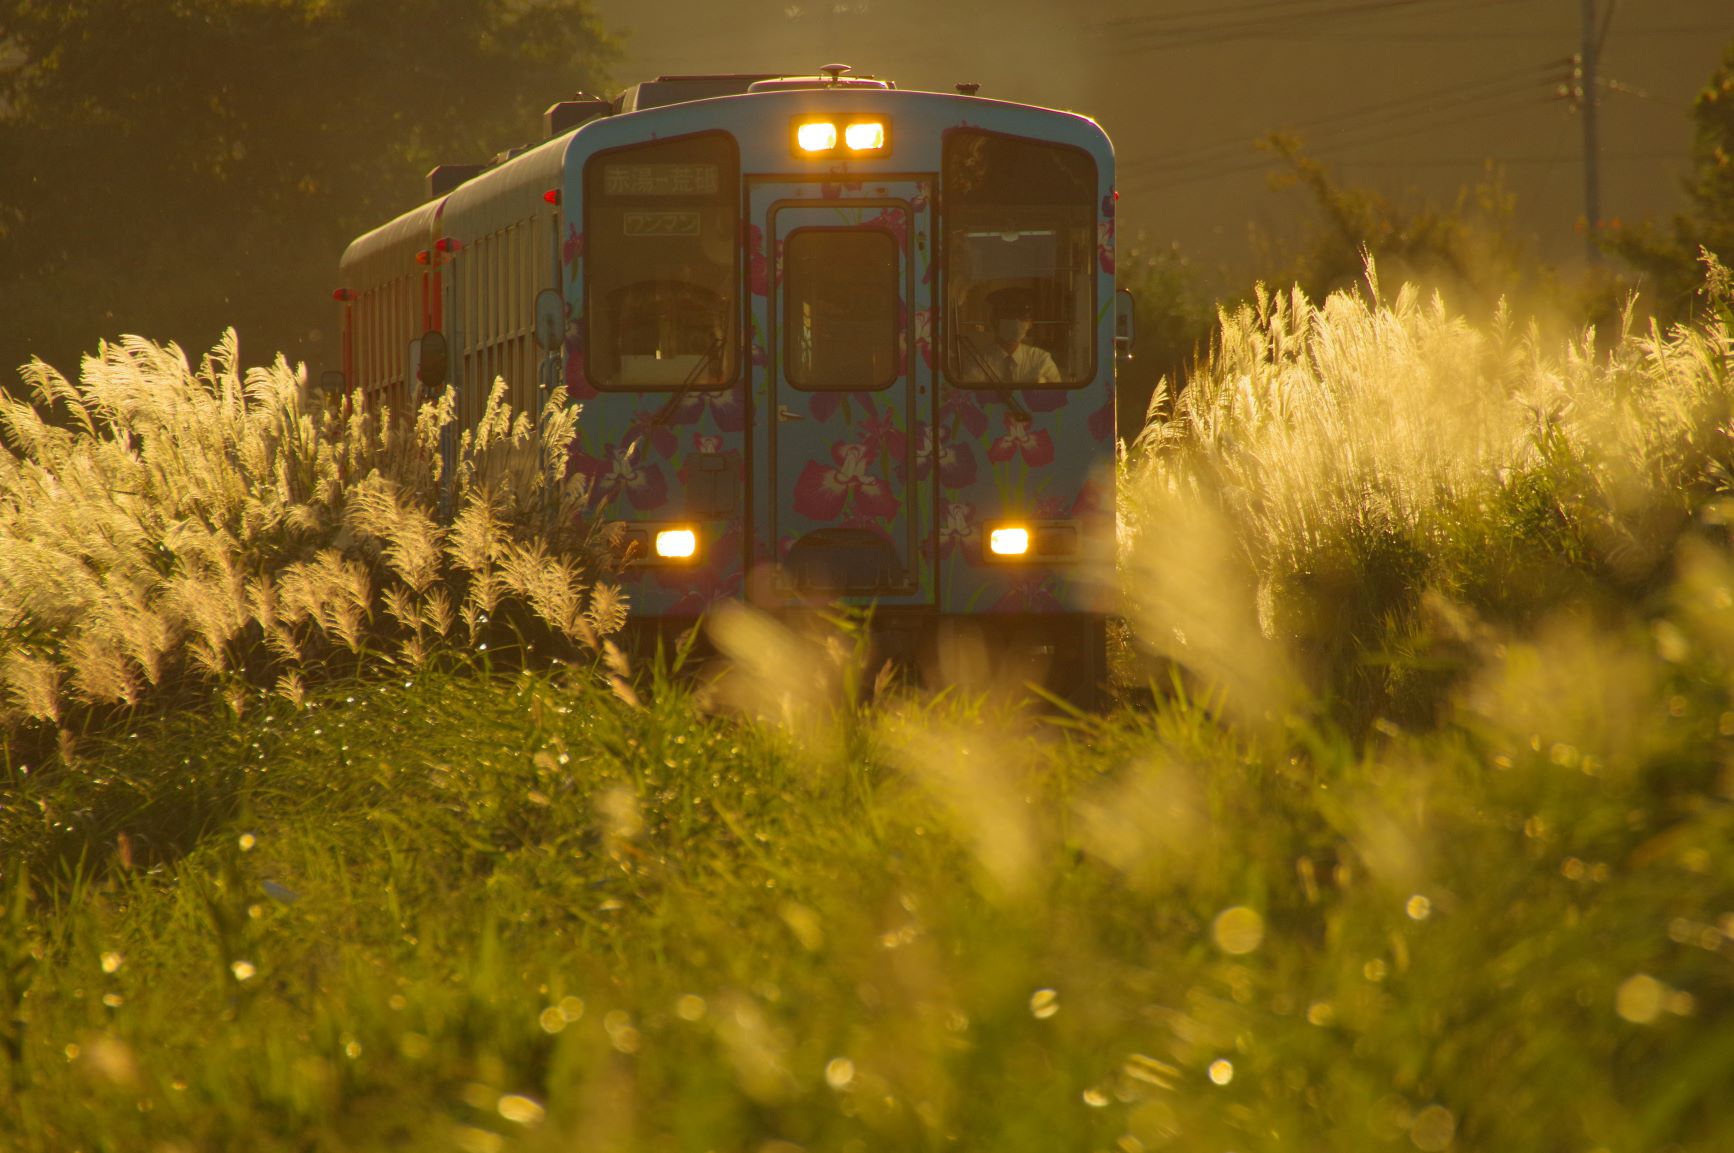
(1669, 257)
(175, 168)
(1176, 318)
(1468, 249)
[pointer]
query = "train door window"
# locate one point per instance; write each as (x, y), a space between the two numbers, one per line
(661, 231)
(393, 341)
(490, 301)
(840, 308)
(509, 281)
(389, 351)
(372, 322)
(509, 325)
(524, 388)
(1020, 248)
(509, 274)
(485, 316)
(388, 346)
(466, 277)
(502, 301)
(502, 298)
(491, 307)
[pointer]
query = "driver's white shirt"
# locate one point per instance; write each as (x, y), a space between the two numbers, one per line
(1025, 364)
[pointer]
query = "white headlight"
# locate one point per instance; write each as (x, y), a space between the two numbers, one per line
(865, 136)
(816, 136)
(1013, 540)
(676, 543)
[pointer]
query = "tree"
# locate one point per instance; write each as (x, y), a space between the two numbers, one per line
(1469, 249)
(1669, 259)
(176, 166)
(1176, 320)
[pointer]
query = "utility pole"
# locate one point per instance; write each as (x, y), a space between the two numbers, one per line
(1592, 191)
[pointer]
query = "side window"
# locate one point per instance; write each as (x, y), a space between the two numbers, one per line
(1020, 250)
(661, 222)
(840, 308)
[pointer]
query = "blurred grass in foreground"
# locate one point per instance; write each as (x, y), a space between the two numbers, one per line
(1445, 870)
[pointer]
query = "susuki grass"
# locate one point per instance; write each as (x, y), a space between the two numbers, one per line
(207, 525)
(1385, 475)
(1446, 873)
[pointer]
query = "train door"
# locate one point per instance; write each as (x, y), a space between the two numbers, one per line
(843, 390)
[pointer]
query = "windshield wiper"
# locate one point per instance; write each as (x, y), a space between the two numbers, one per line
(987, 371)
(679, 394)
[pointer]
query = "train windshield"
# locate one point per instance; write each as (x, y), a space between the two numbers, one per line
(1020, 247)
(660, 269)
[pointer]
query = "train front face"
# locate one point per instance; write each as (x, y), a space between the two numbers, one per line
(847, 346)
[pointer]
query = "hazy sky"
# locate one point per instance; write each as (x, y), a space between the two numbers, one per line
(1397, 94)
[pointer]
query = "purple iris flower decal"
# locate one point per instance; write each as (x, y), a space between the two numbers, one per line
(1030, 592)
(657, 434)
(1020, 439)
(892, 220)
(924, 336)
(723, 404)
(958, 530)
(935, 448)
(879, 432)
(963, 407)
(821, 492)
(578, 385)
(763, 268)
(1102, 420)
(616, 473)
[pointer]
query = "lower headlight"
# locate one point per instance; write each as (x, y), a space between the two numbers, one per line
(677, 544)
(1011, 540)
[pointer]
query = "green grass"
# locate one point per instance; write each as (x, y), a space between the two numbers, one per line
(510, 911)
(1419, 836)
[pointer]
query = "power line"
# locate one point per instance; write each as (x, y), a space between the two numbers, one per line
(1149, 33)
(1427, 124)
(1555, 159)
(1532, 79)
(1357, 36)
(1422, 104)
(1206, 171)
(1356, 136)
(1237, 13)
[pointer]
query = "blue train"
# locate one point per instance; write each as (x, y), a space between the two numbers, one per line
(835, 342)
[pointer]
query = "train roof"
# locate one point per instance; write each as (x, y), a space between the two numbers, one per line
(529, 170)
(817, 94)
(666, 90)
(391, 247)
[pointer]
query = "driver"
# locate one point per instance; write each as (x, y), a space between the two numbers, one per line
(1005, 357)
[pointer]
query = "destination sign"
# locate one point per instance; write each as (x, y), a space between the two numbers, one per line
(660, 179)
(660, 223)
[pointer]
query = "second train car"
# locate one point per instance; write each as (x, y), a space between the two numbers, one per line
(835, 342)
